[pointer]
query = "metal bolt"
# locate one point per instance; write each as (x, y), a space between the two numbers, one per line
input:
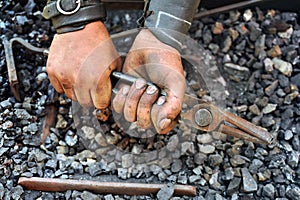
(203, 117)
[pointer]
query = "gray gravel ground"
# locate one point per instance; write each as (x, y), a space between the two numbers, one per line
(257, 52)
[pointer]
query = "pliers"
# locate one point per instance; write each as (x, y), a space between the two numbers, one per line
(205, 116)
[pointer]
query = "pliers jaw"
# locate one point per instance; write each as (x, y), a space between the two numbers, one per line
(207, 117)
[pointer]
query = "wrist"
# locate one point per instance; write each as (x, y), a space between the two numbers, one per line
(73, 15)
(170, 20)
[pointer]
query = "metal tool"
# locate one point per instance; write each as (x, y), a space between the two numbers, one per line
(62, 185)
(207, 117)
(11, 68)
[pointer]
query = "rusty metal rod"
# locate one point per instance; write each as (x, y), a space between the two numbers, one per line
(121, 188)
(10, 62)
(227, 8)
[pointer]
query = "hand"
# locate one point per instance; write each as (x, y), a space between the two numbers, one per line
(80, 64)
(161, 64)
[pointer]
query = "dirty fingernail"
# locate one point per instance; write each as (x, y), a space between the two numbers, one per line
(164, 123)
(125, 90)
(140, 83)
(151, 89)
(161, 100)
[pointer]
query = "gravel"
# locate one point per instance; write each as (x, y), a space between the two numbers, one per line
(257, 53)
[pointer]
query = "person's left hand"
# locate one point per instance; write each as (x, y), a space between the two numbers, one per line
(161, 64)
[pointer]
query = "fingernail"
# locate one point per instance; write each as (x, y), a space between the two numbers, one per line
(161, 100)
(140, 83)
(125, 90)
(151, 89)
(164, 123)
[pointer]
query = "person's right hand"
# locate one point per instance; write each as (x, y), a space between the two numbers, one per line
(80, 64)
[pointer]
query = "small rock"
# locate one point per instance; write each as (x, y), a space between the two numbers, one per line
(226, 45)
(61, 122)
(52, 164)
(194, 178)
(21, 19)
(200, 158)
(255, 30)
(269, 191)
(215, 160)
(182, 179)
(287, 34)
(22, 114)
(173, 143)
(290, 97)
(234, 34)
(254, 109)
(268, 63)
(206, 149)
(89, 196)
(241, 46)
(96, 168)
(249, 184)
(204, 138)
(77, 167)
(162, 176)
(293, 159)
(217, 28)
(109, 197)
(237, 160)
(236, 72)
(284, 67)
(7, 125)
(269, 108)
(271, 88)
(32, 128)
(89, 132)
(247, 16)
(71, 138)
(294, 193)
(176, 166)
(260, 45)
(6, 104)
(234, 185)
(229, 174)
(255, 165)
(122, 173)
(187, 148)
(166, 192)
(100, 139)
(41, 77)
(288, 113)
(274, 52)
(127, 160)
(16, 192)
(2, 192)
(288, 134)
(83, 155)
(213, 181)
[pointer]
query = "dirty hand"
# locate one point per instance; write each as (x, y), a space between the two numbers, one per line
(161, 64)
(80, 64)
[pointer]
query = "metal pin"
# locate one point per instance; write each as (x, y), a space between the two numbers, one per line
(203, 117)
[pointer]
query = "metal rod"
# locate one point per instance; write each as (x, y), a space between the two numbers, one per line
(121, 188)
(132, 79)
(228, 8)
(11, 69)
